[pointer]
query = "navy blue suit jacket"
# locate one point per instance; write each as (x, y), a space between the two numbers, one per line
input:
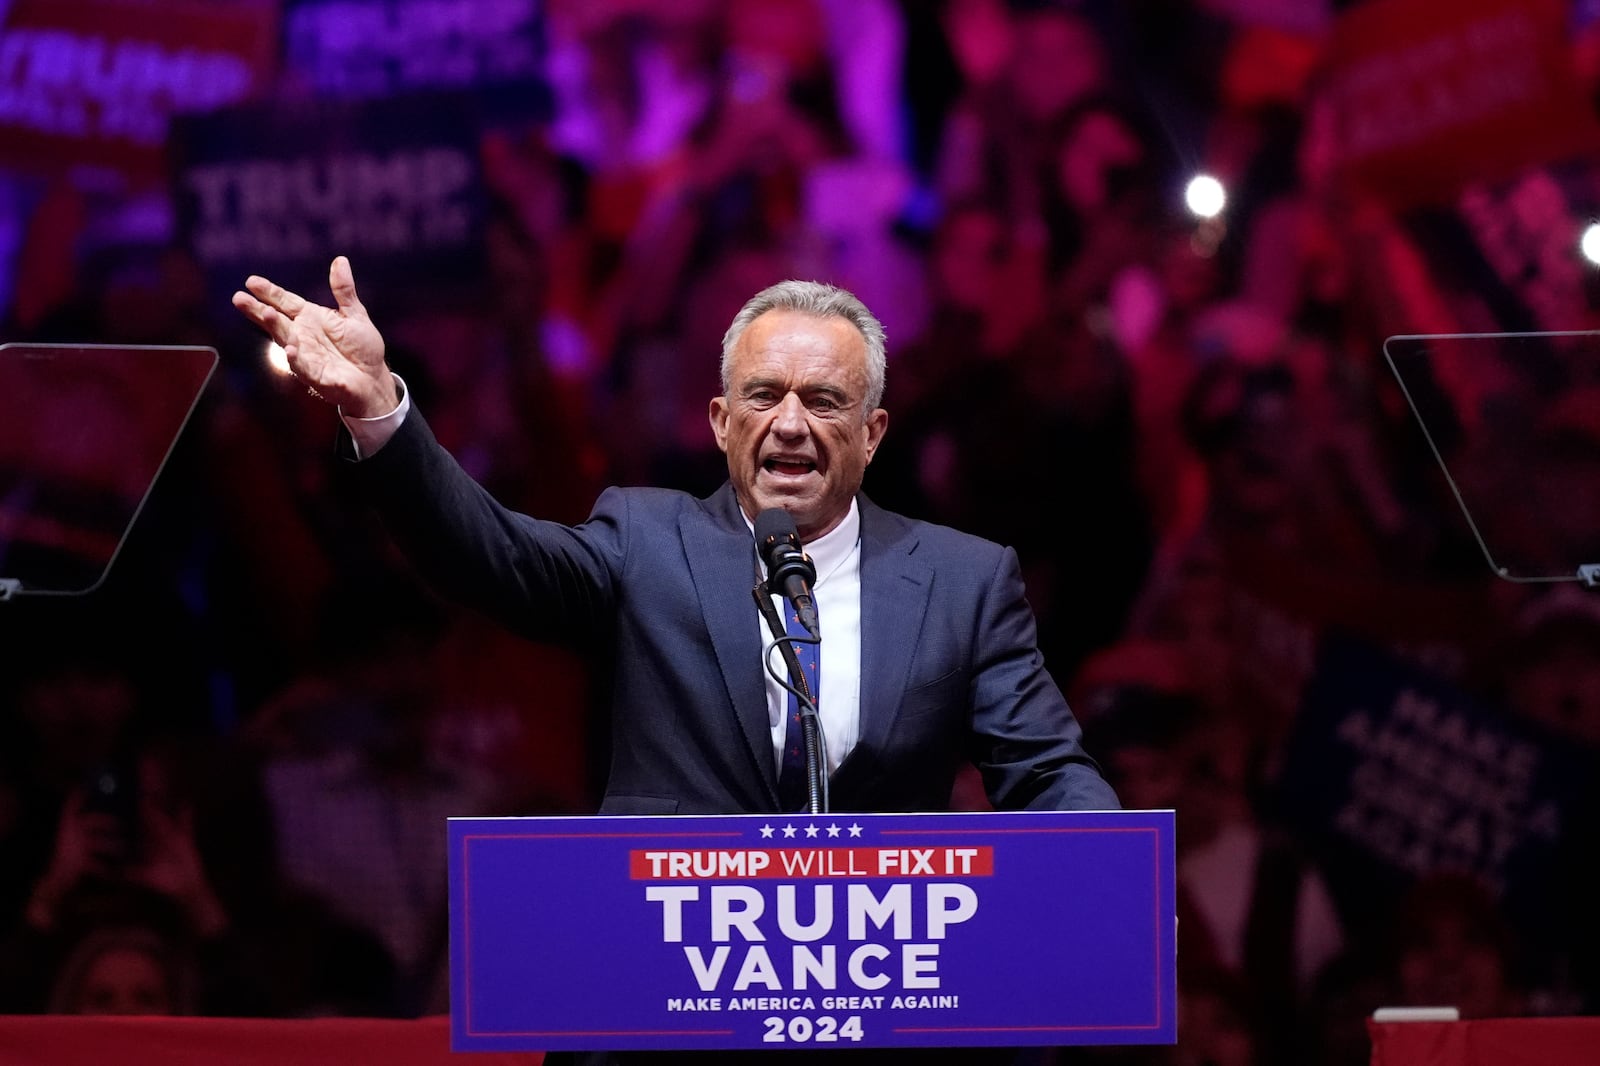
(657, 583)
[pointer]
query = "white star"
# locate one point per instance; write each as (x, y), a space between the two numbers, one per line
(766, 832)
(788, 831)
(855, 830)
(833, 830)
(811, 830)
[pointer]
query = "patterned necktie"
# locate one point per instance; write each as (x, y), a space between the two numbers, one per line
(792, 778)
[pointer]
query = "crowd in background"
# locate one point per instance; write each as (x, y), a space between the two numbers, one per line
(223, 774)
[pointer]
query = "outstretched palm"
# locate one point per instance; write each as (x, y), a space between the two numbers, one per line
(337, 350)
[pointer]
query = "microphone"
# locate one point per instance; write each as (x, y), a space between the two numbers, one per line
(788, 568)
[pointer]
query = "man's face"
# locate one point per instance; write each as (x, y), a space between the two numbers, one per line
(792, 423)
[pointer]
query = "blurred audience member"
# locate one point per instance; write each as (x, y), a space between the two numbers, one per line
(128, 958)
(1107, 202)
(1452, 947)
(1219, 1020)
(125, 970)
(1552, 670)
(140, 829)
(359, 788)
(1252, 907)
(1023, 68)
(1552, 678)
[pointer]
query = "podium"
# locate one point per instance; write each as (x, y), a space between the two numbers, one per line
(812, 931)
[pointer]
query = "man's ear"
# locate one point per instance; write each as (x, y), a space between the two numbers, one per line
(719, 421)
(877, 426)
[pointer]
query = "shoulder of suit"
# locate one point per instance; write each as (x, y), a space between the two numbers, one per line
(918, 535)
(646, 499)
(652, 495)
(649, 504)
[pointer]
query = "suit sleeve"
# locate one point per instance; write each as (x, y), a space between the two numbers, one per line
(542, 579)
(1025, 740)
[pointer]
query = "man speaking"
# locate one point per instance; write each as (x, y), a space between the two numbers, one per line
(928, 658)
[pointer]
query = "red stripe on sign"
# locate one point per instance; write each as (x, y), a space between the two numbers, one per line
(740, 864)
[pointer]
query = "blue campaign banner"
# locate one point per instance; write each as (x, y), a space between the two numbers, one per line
(280, 188)
(1393, 773)
(832, 930)
(363, 49)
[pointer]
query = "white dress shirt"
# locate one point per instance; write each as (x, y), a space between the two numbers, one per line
(837, 557)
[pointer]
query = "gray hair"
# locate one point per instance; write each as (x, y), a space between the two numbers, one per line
(819, 300)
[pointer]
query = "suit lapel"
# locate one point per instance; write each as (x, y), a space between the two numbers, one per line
(722, 563)
(895, 589)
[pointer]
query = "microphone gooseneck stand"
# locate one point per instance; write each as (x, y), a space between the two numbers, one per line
(810, 725)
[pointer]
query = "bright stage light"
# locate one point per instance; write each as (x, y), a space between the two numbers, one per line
(1205, 196)
(1589, 245)
(276, 358)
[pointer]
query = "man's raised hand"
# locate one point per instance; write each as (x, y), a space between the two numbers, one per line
(335, 350)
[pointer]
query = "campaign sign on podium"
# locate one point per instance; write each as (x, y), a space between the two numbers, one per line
(832, 930)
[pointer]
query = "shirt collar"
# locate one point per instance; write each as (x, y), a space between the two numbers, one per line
(829, 551)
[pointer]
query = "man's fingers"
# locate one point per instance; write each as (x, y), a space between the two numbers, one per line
(276, 297)
(276, 325)
(342, 280)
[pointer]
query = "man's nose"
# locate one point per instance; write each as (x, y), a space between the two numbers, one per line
(790, 419)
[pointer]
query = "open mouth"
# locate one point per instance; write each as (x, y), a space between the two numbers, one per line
(788, 467)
